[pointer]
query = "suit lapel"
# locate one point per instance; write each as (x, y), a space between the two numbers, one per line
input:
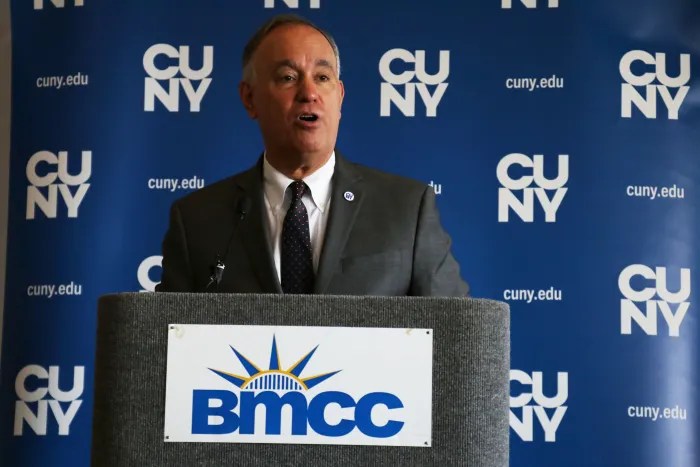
(342, 215)
(253, 230)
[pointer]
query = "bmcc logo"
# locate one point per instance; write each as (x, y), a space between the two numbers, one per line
(276, 387)
(38, 390)
(43, 190)
(531, 186)
(536, 402)
(412, 80)
(647, 103)
(631, 279)
(176, 76)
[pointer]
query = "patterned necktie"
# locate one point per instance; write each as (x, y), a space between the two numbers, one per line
(297, 267)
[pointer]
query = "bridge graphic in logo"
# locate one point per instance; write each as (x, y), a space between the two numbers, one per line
(275, 378)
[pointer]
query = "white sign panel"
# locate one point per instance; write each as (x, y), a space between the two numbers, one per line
(300, 385)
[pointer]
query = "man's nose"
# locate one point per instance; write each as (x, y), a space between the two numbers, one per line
(308, 90)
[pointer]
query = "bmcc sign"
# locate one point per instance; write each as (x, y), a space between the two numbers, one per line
(299, 385)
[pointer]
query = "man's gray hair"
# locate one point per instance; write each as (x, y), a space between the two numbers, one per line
(267, 28)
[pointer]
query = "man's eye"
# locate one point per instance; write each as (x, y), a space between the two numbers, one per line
(324, 78)
(287, 78)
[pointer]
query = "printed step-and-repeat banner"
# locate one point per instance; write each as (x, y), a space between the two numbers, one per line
(4, 143)
(560, 136)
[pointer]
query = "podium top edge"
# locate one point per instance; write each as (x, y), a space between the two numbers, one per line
(166, 296)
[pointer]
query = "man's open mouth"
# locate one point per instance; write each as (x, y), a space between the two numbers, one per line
(308, 117)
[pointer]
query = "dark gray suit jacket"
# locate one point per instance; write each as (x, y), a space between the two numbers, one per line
(386, 241)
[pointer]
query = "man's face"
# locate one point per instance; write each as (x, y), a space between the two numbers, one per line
(295, 94)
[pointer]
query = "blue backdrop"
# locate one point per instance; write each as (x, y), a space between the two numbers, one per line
(561, 138)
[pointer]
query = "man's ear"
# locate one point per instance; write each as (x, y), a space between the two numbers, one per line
(245, 90)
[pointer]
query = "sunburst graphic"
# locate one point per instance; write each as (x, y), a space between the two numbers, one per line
(275, 378)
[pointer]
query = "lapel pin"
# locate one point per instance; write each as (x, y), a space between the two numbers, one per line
(349, 195)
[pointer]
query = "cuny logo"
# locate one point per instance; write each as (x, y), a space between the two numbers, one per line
(276, 387)
(144, 273)
(293, 3)
(39, 4)
(629, 311)
(171, 98)
(535, 401)
(529, 3)
(37, 183)
(406, 103)
(32, 402)
(647, 104)
(525, 209)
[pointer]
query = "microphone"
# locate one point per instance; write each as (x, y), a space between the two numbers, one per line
(220, 266)
(218, 272)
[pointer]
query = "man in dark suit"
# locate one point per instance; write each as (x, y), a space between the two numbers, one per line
(304, 219)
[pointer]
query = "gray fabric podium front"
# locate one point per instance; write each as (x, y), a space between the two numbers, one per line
(471, 352)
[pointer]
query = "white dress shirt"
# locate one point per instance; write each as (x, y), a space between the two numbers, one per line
(316, 200)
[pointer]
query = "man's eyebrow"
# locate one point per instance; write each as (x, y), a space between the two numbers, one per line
(321, 62)
(324, 63)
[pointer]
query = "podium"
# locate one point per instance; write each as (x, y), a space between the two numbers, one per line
(470, 399)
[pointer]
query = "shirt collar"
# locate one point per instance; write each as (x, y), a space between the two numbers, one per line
(275, 184)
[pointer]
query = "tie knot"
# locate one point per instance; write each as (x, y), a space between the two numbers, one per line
(298, 188)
